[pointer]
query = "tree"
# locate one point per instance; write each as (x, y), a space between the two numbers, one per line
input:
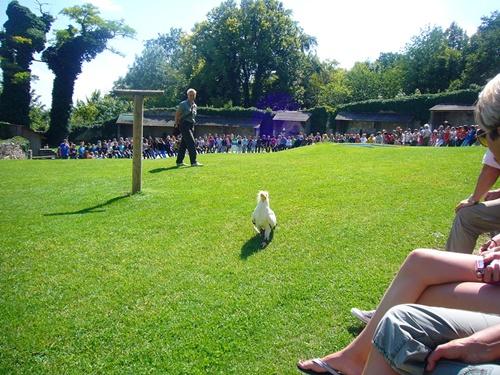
(431, 62)
(316, 74)
(158, 67)
(74, 46)
(457, 37)
(336, 91)
(483, 56)
(39, 116)
(23, 36)
(261, 59)
(363, 82)
(98, 109)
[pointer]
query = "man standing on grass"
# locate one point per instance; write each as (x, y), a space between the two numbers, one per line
(185, 118)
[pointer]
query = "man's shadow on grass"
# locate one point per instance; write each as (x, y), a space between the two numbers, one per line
(91, 210)
(158, 170)
(253, 246)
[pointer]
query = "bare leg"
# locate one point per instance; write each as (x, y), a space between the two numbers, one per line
(377, 364)
(421, 269)
(465, 296)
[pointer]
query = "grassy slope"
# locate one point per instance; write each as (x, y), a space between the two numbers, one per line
(172, 280)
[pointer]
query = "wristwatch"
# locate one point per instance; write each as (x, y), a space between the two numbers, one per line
(472, 201)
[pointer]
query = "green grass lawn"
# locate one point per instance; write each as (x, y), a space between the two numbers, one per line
(172, 280)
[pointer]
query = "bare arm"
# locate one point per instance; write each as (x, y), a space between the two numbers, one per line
(481, 347)
(487, 178)
(176, 117)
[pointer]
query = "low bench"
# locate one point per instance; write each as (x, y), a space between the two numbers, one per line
(44, 157)
(45, 153)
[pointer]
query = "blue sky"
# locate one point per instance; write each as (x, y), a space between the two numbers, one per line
(346, 31)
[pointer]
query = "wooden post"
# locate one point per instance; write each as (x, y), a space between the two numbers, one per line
(138, 96)
(138, 135)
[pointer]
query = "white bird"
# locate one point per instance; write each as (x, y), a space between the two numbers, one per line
(263, 218)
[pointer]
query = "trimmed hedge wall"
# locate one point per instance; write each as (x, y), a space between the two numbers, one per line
(234, 112)
(417, 105)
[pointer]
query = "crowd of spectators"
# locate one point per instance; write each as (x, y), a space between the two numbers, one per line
(157, 147)
(444, 136)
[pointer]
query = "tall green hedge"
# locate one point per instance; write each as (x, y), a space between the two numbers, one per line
(319, 119)
(233, 112)
(417, 105)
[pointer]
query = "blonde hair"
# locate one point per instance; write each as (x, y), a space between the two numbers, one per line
(487, 112)
(191, 90)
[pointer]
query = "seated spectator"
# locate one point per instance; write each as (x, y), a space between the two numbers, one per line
(116, 150)
(472, 217)
(317, 138)
(446, 136)
(81, 150)
(460, 287)
(462, 134)
(470, 139)
(406, 138)
(146, 154)
(274, 144)
(408, 333)
(244, 143)
(387, 138)
(434, 138)
(73, 153)
(162, 151)
(239, 144)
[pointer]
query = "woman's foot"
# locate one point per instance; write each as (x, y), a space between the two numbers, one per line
(342, 363)
(320, 363)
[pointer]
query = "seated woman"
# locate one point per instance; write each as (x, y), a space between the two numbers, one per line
(450, 280)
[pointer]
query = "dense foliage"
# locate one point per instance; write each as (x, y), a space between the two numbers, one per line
(72, 48)
(98, 109)
(268, 62)
(22, 36)
(158, 68)
(252, 54)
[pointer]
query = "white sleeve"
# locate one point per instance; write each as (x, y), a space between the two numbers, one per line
(490, 160)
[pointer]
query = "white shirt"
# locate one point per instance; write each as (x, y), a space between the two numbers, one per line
(490, 160)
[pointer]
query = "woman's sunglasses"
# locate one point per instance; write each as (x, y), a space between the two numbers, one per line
(481, 137)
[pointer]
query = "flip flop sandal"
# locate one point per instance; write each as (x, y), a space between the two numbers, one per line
(321, 363)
